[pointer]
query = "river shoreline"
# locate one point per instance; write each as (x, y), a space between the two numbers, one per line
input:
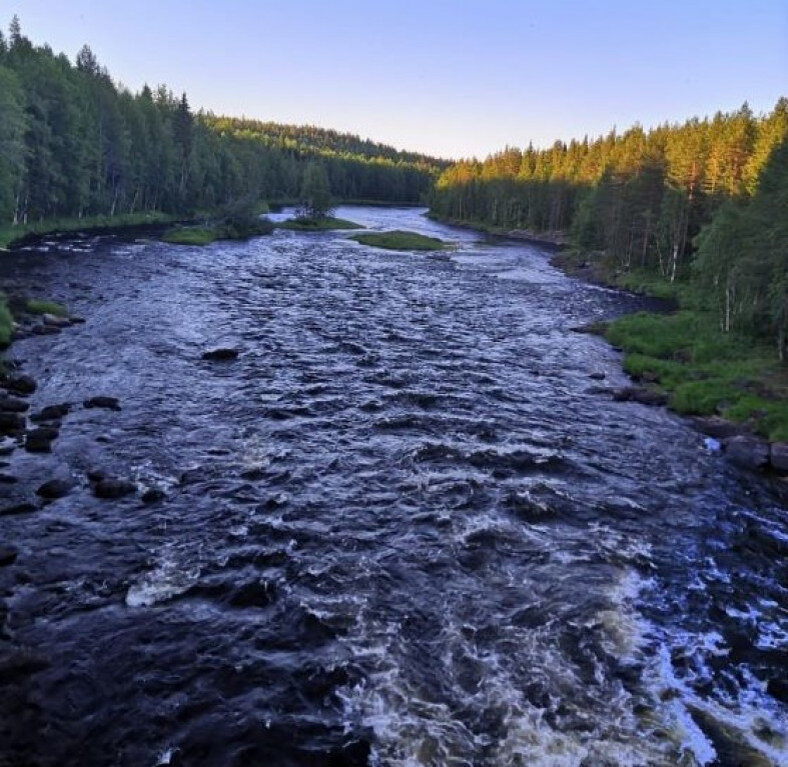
(738, 443)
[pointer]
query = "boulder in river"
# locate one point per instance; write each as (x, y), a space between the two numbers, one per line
(54, 488)
(20, 384)
(719, 428)
(11, 423)
(110, 487)
(13, 405)
(18, 508)
(44, 330)
(222, 354)
(640, 394)
(52, 320)
(40, 440)
(747, 452)
(108, 403)
(51, 413)
(153, 495)
(778, 456)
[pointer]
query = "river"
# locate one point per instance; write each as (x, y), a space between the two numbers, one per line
(399, 529)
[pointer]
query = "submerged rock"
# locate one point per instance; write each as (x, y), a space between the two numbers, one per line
(55, 488)
(221, 354)
(747, 452)
(44, 330)
(21, 384)
(11, 423)
(13, 405)
(107, 403)
(109, 487)
(51, 413)
(153, 495)
(19, 508)
(40, 440)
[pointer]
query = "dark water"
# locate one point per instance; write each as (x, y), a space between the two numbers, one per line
(398, 530)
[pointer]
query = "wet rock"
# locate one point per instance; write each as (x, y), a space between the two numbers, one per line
(13, 405)
(778, 688)
(778, 456)
(719, 428)
(221, 354)
(641, 395)
(11, 423)
(7, 446)
(592, 328)
(52, 320)
(77, 320)
(597, 376)
(107, 403)
(110, 487)
(600, 390)
(21, 384)
(253, 594)
(40, 440)
(7, 479)
(19, 508)
(153, 495)
(8, 555)
(51, 413)
(44, 330)
(253, 474)
(747, 452)
(55, 488)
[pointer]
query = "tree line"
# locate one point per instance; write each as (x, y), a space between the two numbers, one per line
(73, 143)
(695, 201)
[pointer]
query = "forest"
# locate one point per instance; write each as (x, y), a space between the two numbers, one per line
(75, 144)
(703, 203)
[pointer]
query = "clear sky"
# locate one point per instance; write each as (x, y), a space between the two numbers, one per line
(448, 77)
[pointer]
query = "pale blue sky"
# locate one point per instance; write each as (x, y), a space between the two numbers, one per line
(447, 77)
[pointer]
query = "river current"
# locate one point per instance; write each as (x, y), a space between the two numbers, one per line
(402, 528)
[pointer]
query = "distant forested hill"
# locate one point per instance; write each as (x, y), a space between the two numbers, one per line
(74, 144)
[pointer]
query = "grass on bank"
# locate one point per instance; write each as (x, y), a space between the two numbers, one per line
(39, 306)
(11, 234)
(400, 240)
(704, 370)
(327, 224)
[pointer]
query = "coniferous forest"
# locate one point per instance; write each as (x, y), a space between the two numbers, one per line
(704, 202)
(75, 144)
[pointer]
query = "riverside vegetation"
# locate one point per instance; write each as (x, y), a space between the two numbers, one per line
(695, 213)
